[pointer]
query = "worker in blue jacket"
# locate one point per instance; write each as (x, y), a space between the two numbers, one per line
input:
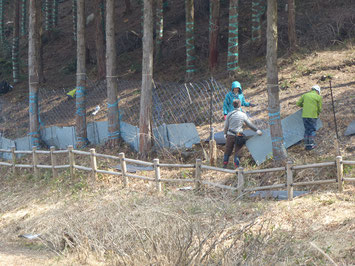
(235, 93)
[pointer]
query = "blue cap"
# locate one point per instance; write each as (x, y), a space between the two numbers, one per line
(236, 84)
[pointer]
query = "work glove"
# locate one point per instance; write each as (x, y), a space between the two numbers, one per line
(259, 132)
(252, 104)
(224, 117)
(225, 136)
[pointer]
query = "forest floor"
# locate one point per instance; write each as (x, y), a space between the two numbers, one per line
(93, 223)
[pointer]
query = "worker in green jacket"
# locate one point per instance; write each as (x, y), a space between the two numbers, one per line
(311, 102)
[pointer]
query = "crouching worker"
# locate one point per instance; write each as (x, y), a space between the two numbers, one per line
(311, 102)
(233, 131)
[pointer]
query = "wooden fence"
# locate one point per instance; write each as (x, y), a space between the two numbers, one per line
(198, 166)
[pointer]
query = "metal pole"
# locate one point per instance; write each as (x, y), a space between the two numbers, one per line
(335, 120)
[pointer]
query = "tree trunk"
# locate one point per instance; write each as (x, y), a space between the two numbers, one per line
(2, 21)
(128, 9)
(159, 28)
(292, 37)
(81, 133)
(99, 41)
(145, 141)
(257, 11)
(33, 78)
(190, 40)
(54, 14)
(233, 36)
(39, 46)
(15, 42)
(75, 18)
(214, 31)
(111, 78)
(23, 18)
(278, 148)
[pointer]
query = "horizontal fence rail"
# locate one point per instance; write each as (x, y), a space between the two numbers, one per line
(198, 169)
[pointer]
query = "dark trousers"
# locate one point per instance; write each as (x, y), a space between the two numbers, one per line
(309, 130)
(236, 143)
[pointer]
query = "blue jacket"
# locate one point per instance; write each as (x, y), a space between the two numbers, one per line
(228, 101)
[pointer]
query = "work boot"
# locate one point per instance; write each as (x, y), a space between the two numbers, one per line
(225, 164)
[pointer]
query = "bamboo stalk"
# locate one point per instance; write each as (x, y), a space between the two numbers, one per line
(39, 166)
(349, 179)
(35, 161)
(177, 165)
(54, 162)
(289, 180)
(123, 168)
(107, 156)
(138, 162)
(83, 168)
(296, 167)
(13, 155)
(21, 165)
(60, 151)
(198, 172)
(43, 152)
(8, 151)
(7, 164)
(178, 180)
(157, 174)
(93, 163)
(340, 173)
(21, 152)
(218, 169)
(62, 166)
(349, 162)
(81, 152)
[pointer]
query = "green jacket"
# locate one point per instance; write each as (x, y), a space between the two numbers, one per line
(311, 103)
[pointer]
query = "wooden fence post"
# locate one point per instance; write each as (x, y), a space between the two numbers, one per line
(198, 172)
(289, 180)
(35, 161)
(240, 181)
(93, 163)
(157, 174)
(71, 160)
(340, 173)
(54, 162)
(123, 169)
(213, 152)
(13, 155)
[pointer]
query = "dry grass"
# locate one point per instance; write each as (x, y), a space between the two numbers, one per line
(102, 223)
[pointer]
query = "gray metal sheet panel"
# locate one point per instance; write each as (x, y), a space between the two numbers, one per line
(161, 136)
(130, 134)
(49, 136)
(65, 137)
(182, 135)
(23, 144)
(350, 130)
(102, 131)
(260, 147)
(6, 144)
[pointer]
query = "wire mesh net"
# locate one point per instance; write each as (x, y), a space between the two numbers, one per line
(196, 102)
